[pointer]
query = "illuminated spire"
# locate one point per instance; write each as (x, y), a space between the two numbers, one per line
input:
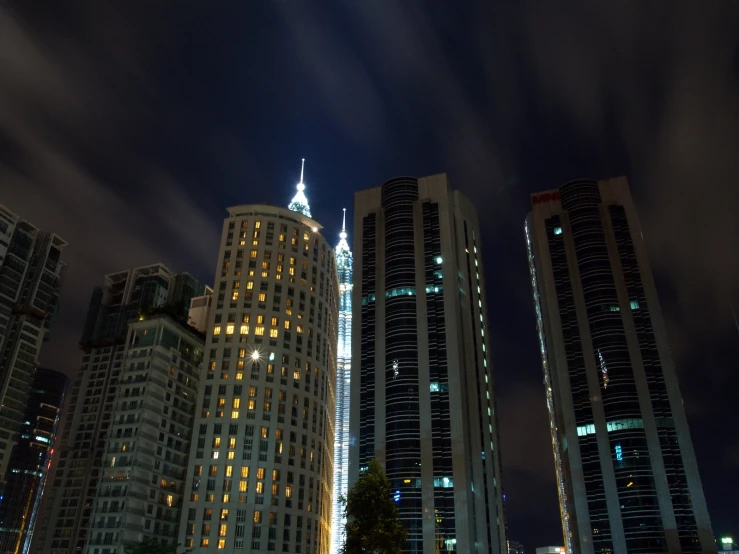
(343, 246)
(300, 202)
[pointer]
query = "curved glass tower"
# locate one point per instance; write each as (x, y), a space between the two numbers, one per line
(344, 265)
(627, 475)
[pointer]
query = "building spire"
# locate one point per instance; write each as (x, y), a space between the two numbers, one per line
(343, 246)
(299, 202)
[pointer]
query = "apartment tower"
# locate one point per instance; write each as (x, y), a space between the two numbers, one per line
(127, 296)
(30, 461)
(30, 273)
(422, 389)
(627, 474)
(342, 436)
(142, 476)
(261, 462)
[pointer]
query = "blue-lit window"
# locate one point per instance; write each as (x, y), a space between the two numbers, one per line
(634, 304)
(558, 230)
(434, 386)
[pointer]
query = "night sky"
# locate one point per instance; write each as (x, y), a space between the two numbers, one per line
(129, 127)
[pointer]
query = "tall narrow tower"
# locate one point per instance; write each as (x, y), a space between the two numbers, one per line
(627, 474)
(422, 392)
(344, 265)
(261, 463)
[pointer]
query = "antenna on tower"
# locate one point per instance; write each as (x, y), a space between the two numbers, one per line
(343, 223)
(302, 167)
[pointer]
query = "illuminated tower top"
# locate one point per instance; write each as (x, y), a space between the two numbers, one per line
(343, 246)
(299, 202)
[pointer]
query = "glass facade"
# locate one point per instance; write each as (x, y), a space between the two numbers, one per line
(615, 438)
(422, 377)
(30, 462)
(342, 437)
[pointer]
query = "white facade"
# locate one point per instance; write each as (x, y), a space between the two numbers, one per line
(200, 310)
(261, 462)
(344, 264)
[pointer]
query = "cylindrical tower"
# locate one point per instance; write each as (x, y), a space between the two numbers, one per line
(261, 462)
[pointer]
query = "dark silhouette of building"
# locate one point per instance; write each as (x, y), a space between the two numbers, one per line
(30, 460)
(422, 386)
(627, 475)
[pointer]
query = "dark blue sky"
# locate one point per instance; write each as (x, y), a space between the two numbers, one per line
(128, 128)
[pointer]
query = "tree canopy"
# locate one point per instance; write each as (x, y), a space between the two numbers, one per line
(372, 516)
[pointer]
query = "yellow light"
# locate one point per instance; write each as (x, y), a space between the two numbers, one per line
(406, 481)
(255, 355)
(630, 483)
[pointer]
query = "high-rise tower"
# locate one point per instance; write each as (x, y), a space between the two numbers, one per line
(344, 265)
(261, 464)
(30, 274)
(627, 474)
(422, 389)
(30, 461)
(127, 296)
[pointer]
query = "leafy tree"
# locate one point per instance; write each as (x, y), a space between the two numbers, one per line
(151, 546)
(372, 516)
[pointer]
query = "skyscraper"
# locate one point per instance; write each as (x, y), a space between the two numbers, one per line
(30, 272)
(627, 474)
(422, 389)
(127, 296)
(344, 265)
(142, 481)
(261, 464)
(30, 460)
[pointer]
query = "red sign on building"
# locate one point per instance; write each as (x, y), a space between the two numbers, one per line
(545, 197)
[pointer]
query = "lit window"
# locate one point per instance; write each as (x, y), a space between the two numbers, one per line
(229, 473)
(273, 333)
(300, 328)
(244, 331)
(249, 285)
(252, 404)
(257, 516)
(288, 491)
(257, 224)
(287, 324)
(216, 442)
(262, 296)
(260, 473)
(253, 254)
(434, 386)
(275, 322)
(231, 444)
(245, 472)
(259, 331)
(296, 375)
(260, 487)
(234, 414)
(243, 486)
(558, 230)
(230, 329)
(236, 403)
(221, 544)
(260, 318)
(235, 295)
(217, 330)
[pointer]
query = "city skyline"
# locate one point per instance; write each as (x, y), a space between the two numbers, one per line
(126, 130)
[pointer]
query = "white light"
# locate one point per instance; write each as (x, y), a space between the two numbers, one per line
(255, 355)
(315, 229)
(396, 369)
(271, 356)
(438, 259)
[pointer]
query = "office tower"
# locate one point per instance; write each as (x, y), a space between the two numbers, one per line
(142, 481)
(261, 463)
(30, 274)
(422, 390)
(200, 310)
(126, 296)
(627, 474)
(29, 463)
(344, 264)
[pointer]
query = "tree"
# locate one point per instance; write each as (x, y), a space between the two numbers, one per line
(372, 516)
(150, 546)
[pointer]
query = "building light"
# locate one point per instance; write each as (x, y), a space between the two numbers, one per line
(727, 540)
(558, 230)
(438, 259)
(255, 355)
